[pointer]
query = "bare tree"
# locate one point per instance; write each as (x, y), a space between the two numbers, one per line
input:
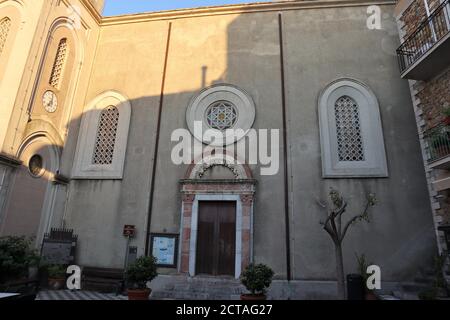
(337, 231)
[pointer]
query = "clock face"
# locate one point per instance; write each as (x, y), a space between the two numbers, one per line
(50, 101)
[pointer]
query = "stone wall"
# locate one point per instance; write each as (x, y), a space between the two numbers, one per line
(415, 14)
(434, 97)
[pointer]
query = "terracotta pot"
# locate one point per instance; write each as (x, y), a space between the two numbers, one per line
(139, 294)
(56, 283)
(371, 296)
(447, 120)
(253, 297)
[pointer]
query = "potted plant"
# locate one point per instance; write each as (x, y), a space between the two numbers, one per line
(256, 278)
(56, 276)
(446, 113)
(17, 257)
(140, 272)
(362, 268)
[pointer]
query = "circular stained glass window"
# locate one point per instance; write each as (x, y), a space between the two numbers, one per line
(35, 165)
(221, 115)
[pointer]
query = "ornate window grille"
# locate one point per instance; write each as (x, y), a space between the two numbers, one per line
(348, 130)
(5, 26)
(59, 64)
(221, 115)
(106, 136)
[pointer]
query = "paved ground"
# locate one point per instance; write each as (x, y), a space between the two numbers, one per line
(76, 295)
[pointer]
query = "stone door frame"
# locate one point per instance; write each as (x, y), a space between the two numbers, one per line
(189, 221)
(194, 229)
(195, 188)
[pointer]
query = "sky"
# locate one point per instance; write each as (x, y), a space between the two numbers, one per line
(116, 7)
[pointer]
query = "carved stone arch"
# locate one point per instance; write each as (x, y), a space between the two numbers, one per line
(53, 144)
(38, 210)
(46, 127)
(78, 39)
(198, 168)
(196, 190)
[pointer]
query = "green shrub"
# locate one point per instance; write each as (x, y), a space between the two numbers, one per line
(256, 278)
(428, 294)
(446, 111)
(56, 271)
(141, 271)
(16, 255)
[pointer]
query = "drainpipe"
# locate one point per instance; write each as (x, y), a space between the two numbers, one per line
(155, 151)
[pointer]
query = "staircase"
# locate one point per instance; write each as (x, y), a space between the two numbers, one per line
(166, 287)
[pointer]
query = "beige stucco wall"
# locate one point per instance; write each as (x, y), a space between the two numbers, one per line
(25, 16)
(23, 119)
(321, 44)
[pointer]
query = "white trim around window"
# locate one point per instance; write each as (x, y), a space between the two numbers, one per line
(83, 167)
(374, 162)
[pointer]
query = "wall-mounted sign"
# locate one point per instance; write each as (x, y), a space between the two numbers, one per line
(58, 246)
(129, 230)
(164, 247)
(57, 252)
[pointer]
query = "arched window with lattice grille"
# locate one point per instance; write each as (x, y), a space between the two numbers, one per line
(348, 130)
(5, 26)
(102, 141)
(351, 133)
(59, 64)
(106, 136)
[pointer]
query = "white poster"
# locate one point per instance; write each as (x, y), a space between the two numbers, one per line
(164, 250)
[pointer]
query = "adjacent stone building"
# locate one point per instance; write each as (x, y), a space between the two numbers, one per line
(90, 107)
(424, 58)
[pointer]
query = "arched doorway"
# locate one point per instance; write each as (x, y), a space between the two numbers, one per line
(217, 217)
(29, 206)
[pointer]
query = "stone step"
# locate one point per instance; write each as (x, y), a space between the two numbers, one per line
(198, 288)
(163, 295)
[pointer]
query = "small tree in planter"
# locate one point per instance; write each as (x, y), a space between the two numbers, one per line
(56, 276)
(362, 268)
(140, 272)
(256, 278)
(337, 231)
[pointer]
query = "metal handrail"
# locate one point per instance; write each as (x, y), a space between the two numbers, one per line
(437, 142)
(425, 36)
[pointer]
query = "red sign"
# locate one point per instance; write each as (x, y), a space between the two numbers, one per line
(129, 230)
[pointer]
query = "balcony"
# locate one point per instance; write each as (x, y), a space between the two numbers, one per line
(427, 50)
(437, 143)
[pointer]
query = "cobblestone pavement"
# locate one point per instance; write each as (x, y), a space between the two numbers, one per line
(77, 295)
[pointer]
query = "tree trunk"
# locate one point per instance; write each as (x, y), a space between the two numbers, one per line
(340, 272)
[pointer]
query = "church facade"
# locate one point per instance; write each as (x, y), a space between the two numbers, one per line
(93, 109)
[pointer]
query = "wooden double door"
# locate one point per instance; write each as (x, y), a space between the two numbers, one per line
(216, 238)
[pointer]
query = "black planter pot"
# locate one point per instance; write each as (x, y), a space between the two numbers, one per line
(355, 287)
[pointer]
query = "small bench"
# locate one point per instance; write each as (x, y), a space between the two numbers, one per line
(103, 280)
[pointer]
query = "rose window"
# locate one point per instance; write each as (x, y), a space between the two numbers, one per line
(221, 115)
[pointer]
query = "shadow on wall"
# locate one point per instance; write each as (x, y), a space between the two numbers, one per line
(40, 197)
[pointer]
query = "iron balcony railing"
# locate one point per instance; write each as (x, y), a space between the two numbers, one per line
(437, 140)
(426, 35)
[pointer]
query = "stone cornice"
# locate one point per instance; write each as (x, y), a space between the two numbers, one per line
(233, 9)
(92, 10)
(9, 160)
